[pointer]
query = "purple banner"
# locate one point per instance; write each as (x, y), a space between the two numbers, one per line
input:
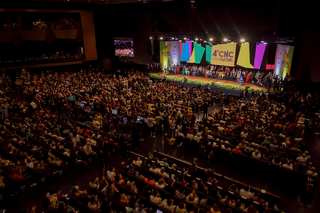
(260, 48)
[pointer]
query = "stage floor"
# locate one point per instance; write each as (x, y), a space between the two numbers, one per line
(214, 80)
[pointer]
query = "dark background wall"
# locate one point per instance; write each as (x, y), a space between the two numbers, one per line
(309, 56)
(234, 19)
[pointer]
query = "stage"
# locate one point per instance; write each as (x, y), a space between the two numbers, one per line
(215, 80)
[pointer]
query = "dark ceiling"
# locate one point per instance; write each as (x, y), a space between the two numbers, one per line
(99, 2)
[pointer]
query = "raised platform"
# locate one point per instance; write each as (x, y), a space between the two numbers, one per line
(214, 80)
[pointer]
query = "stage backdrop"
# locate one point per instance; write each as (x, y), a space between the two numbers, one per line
(245, 55)
(283, 60)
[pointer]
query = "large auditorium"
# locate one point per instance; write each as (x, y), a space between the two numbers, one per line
(159, 106)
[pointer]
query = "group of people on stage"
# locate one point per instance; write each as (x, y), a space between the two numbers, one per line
(223, 72)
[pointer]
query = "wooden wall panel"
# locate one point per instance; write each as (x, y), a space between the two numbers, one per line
(89, 36)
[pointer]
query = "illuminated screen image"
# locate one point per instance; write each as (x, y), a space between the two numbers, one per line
(123, 48)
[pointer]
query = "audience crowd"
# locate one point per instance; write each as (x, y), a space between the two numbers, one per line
(40, 139)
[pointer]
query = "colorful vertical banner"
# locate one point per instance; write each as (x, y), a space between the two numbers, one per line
(287, 61)
(185, 52)
(199, 51)
(244, 56)
(260, 49)
(164, 54)
(283, 60)
(192, 58)
(208, 53)
(224, 54)
(190, 47)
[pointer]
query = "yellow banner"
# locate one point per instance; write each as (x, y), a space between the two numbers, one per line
(224, 54)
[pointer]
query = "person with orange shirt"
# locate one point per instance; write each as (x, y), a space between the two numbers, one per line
(150, 181)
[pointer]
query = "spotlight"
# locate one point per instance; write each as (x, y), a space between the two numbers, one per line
(150, 37)
(197, 39)
(185, 38)
(161, 38)
(225, 39)
(205, 41)
(176, 38)
(172, 38)
(262, 41)
(211, 39)
(242, 40)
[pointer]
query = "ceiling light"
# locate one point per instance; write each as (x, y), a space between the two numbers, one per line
(161, 38)
(225, 39)
(242, 40)
(211, 39)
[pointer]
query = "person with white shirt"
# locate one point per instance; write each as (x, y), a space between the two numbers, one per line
(66, 152)
(163, 173)
(302, 160)
(96, 124)
(312, 172)
(75, 140)
(154, 169)
(197, 137)
(111, 174)
(288, 165)
(137, 162)
(29, 163)
(256, 154)
(189, 136)
(155, 197)
(245, 192)
(161, 183)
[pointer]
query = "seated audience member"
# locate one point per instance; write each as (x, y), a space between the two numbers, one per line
(182, 208)
(111, 174)
(137, 162)
(95, 183)
(237, 150)
(312, 172)
(256, 154)
(180, 193)
(155, 197)
(246, 193)
(259, 199)
(302, 160)
(288, 165)
(150, 181)
(94, 203)
(193, 198)
(168, 204)
(161, 183)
